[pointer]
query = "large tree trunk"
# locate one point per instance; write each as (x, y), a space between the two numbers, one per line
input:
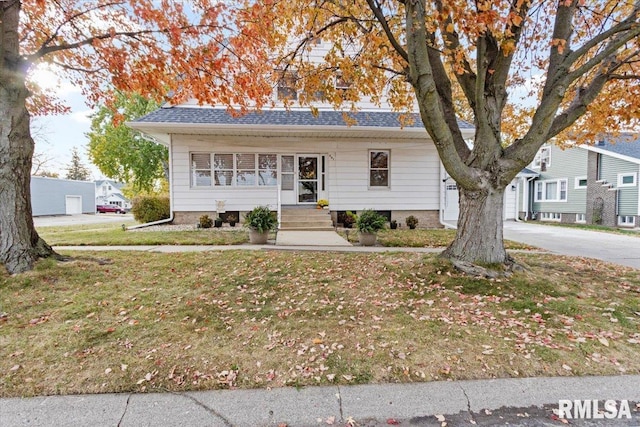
(20, 244)
(479, 237)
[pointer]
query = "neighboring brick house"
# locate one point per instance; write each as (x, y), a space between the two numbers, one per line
(591, 184)
(109, 192)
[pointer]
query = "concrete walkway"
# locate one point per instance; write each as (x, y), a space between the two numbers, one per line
(310, 238)
(459, 403)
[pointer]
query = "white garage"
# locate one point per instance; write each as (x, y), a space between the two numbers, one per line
(73, 205)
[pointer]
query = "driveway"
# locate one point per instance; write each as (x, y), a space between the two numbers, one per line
(49, 221)
(615, 248)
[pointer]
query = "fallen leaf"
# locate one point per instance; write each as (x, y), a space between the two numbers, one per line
(440, 418)
(331, 420)
(108, 371)
(393, 422)
(604, 341)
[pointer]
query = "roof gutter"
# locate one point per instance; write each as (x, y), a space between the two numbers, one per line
(171, 214)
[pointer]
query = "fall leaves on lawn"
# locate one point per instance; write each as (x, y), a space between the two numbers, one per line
(243, 319)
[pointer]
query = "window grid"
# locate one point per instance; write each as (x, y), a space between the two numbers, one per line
(237, 170)
(551, 191)
(379, 165)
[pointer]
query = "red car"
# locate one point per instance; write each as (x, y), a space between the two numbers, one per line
(110, 208)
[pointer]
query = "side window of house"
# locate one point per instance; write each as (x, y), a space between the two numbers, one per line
(287, 172)
(246, 167)
(200, 170)
(379, 168)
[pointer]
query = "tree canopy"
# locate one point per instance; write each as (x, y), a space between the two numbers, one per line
(121, 153)
(210, 50)
(525, 72)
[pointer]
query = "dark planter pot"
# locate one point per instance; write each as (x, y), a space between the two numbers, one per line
(412, 227)
(232, 223)
(217, 223)
(393, 226)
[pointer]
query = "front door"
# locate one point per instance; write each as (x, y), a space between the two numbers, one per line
(308, 178)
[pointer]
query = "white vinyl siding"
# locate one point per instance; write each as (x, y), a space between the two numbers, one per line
(414, 173)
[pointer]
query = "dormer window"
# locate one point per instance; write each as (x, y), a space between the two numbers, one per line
(287, 86)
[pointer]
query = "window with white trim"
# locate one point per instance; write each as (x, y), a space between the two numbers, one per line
(551, 191)
(627, 220)
(581, 218)
(379, 168)
(543, 158)
(580, 182)
(237, 170)
(200, 169)
(627, 179)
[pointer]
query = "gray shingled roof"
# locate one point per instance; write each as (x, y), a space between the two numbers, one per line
(219, 116)
(625, 145)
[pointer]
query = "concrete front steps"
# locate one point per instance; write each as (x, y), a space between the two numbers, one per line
(306, 219)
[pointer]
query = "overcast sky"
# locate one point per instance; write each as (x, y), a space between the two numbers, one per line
(55, 136)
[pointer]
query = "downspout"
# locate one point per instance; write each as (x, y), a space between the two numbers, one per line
(170, 219)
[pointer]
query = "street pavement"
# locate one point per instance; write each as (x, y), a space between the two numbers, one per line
(516, 402)
(616, 248)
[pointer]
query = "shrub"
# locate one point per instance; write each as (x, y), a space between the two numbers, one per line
(411, 221)
(205, 221)
(369, 221)
(349, 219)
(260, 219)
(151, 208)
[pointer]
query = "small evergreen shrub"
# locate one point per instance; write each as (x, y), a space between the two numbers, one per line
(150, 208)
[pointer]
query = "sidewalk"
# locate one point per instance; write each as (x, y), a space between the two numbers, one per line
(370, 405)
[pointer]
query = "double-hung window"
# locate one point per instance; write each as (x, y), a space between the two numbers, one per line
(200, 169)
(551, 191)
(379, 168)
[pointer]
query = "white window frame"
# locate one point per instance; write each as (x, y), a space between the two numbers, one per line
(621, 177)
(623, 220)
(543, 184)
(581, 218)
(234, 176)
(540, 156)
(576, 183)
(388, 169)
(192, 170)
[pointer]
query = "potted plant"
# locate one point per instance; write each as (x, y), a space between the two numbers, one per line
(412, 222)
(205, 221)
(260, 221)
(369, 222)
(393, 224)
(349, 219)
(232, 220)
(217, 222)
(323, 204)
